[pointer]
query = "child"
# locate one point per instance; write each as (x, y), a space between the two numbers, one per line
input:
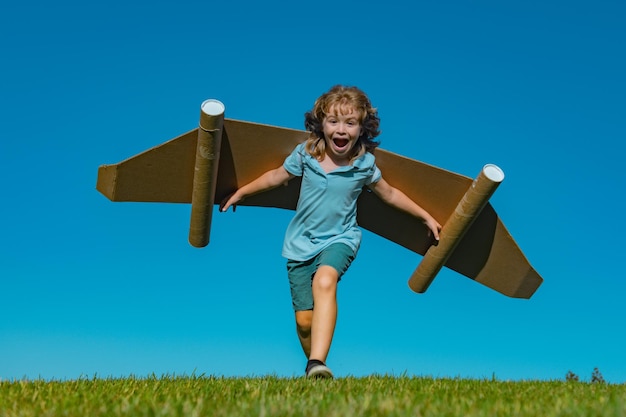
(323, 238)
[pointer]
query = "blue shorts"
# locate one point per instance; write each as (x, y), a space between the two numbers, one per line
(337, 255)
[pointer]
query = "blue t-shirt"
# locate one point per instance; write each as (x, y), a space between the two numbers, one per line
(326, 210)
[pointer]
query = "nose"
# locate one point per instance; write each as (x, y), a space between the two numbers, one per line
(341, 128)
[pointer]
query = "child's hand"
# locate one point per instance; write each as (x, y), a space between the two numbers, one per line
(231, 200)
(433, 227)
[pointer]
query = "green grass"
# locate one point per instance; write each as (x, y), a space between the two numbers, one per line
(273, 396)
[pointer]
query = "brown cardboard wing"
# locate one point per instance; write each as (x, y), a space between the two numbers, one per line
(485, 253)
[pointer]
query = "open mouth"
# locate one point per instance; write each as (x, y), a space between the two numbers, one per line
(340, 143)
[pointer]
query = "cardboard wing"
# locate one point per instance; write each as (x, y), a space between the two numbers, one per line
(481, 248)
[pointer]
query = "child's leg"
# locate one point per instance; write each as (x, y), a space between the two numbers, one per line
(324, 315)
(315, 301)
(304, 319)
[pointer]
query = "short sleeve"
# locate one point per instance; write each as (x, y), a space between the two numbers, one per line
(367, 165)
(376, 175)
(294, 163)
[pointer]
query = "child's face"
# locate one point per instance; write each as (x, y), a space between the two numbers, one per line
(341, 131)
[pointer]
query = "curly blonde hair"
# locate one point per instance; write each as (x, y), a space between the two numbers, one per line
(345, 100)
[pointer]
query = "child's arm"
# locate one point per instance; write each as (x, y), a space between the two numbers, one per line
(271, 179)
(399, 200)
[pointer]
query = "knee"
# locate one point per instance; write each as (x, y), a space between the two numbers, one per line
(325, 280)
(304, 320)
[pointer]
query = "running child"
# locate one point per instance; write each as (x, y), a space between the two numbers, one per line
(323, 238)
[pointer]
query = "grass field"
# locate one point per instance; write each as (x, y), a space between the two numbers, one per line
(273, 396)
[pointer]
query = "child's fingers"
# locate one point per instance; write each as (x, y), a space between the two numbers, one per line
(227, 202)
(437, 230)
(433, 229)
(225, 205)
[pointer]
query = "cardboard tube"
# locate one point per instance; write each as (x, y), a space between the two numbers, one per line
(205, 171)
(459, 222)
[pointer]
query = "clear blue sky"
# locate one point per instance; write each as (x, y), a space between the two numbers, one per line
(90, 287)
